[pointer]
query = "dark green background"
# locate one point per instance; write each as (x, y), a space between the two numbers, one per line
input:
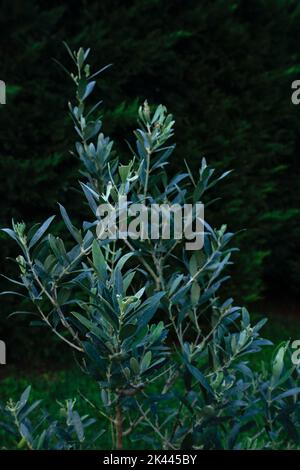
(223, 68)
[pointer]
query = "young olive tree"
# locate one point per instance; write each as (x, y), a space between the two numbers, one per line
(144, 316)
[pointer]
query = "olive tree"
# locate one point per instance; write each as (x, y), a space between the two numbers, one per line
(145, 317)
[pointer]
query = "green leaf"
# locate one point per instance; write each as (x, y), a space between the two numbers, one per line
(70, 52)
(157, 331)
(88, 324)
(118, 282)
(200, 378)
(128, 279)
(11, 292)
(94, 353)
(134, 365)
(24, 397)
(195, 293)
(89, 88)
(73, 231)
(123, 260)
(41, 440)
(28, 409)
(100, 70)
(11, 233)
(175, 284)
(90, 196)
(40, 232)
(287, 393)
(146, 361)
(99, 261)
(128, 331)
(76, 421)
(278, 364)
(81, 89)
(148, 309)
(25, 433)
(80, 57)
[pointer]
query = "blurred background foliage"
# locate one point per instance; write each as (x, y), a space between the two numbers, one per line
(223, 68)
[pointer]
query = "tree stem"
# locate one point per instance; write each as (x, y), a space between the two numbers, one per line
(119, 426)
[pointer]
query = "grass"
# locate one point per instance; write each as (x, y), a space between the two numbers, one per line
(52, 387)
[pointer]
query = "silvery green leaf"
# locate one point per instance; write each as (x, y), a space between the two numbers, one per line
(134, 365)
(89, 88)
(99, 261)
(146, 361)
(40, 232)
(288, 393)
(200, 378)
(73, 231)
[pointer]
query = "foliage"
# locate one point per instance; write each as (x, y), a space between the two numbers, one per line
(145, 313)
(232, 94)
(44, 432)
